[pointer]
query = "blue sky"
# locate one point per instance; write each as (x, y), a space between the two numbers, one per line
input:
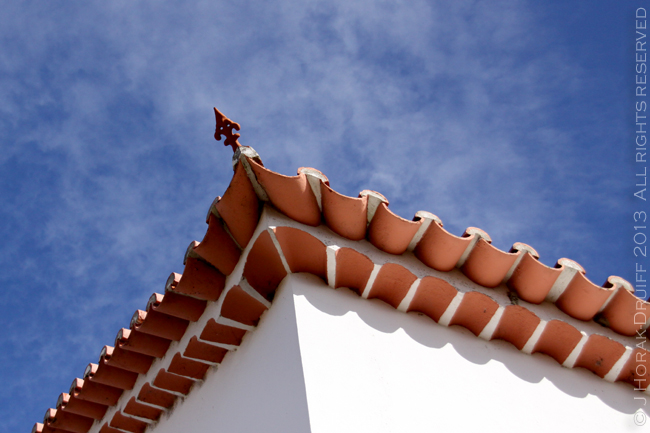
(512, 116)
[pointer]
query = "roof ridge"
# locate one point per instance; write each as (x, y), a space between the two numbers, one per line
(156, 361)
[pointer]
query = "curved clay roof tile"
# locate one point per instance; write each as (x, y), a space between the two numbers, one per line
(391, 233)
(346, 216)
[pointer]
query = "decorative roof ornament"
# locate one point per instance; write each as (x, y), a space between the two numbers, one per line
(225, 127)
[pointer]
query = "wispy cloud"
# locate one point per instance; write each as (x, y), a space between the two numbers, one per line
(475, 112)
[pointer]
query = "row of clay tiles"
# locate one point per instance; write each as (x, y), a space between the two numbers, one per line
(281, 250)
(151, 334)
(149, 337)
(308, 199)
(233, 220)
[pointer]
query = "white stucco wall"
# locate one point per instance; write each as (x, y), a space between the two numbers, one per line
(324, 360)
(370, 368)
(257, 388)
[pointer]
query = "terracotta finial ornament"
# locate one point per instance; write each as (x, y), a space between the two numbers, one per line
(224, 127)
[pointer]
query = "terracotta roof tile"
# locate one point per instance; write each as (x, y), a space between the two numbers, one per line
(433, 297)
(156, 397)
(582, 299)
(200, 280)
(353, 269)
(239, 208)
(218, 333)
(264, 269)
(40, 428)
(516, 326)
(125, 359)
(127, 423)
(599, 354)
(303, 252)
(95, 392)
(135, 408)
(173, 383)
(139, 342)
(71, 404)
(487, 265)
(158, 324)
(391, 233)
(474, 312)
(62, 420)
(242, 307)
(346, 216)
(187, 367)
(176, 305)
(111, 376)
(441, 250)
(203, 351)
(558, 340)
(623, 305)
(108, 429)
(636, 371)
(392, 284)
(217, 247)
(292, 195)
(532, 280)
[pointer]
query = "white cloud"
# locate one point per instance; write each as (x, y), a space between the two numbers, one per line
(446, 107)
